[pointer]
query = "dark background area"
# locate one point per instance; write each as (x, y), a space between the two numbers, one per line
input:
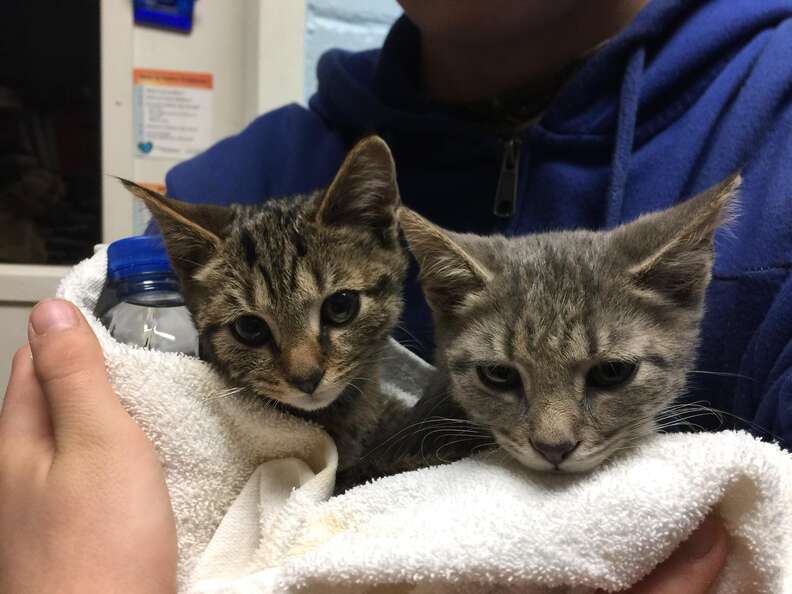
(50, 136)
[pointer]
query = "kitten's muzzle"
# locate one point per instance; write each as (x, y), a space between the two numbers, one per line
(555, 452)
(307, 382)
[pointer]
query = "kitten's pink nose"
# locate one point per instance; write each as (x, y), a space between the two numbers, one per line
(307, 383)
(555, 453)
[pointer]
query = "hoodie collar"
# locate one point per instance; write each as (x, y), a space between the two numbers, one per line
(683, 44)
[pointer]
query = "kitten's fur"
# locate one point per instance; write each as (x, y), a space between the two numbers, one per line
(280, 261)
(554, 305)
(551, 306)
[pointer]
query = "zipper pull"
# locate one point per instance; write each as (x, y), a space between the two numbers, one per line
(506, 192)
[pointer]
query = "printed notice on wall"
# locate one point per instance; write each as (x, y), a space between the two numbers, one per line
(173, 113)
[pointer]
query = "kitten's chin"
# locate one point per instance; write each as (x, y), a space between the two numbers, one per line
(584, 465)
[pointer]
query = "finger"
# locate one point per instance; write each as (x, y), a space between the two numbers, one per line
(24, 415)
(69, 365)
(694, 566)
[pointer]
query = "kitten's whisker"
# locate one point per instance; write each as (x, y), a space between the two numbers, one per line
(483, 446)
(495, 452)
(435, 425)
(448, 445)
(688, 412)
(223, 394)
(415, 341)
(720, 414)
(431, 429)
(723, 374)
(627, 447)
(400, 432)
(187, 261)
(661, 427)
(455, 433)
(346, 384)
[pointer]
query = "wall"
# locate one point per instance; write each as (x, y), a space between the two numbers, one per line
(348, 24)
(253, 49)
(216, 45)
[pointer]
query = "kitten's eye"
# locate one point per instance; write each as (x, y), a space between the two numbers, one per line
(498, 377)
(610, 374)
(251, 331)
(340, 308)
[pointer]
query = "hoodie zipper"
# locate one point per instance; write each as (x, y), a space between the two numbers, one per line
(506, 191)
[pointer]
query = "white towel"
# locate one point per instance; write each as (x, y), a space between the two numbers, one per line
(479, 525)
(209, 444)
(488, 526)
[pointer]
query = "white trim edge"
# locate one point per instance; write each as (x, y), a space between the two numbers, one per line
(28, 283)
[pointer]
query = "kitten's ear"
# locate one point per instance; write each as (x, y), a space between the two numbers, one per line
(673, 249)
(192, 232)
(364, 192)
(449, 274)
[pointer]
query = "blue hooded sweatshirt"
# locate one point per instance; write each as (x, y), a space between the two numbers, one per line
(690, 92)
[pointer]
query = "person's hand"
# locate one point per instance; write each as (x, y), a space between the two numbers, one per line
(694, 567)
(83, 503)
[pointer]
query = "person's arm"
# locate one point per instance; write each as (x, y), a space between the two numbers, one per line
(83, 502)
(755, 274)
(763, 398)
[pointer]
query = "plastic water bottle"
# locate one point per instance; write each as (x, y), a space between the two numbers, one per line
(142, 303)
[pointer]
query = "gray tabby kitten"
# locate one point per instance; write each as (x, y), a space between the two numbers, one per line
(566, 346)
(294, 299)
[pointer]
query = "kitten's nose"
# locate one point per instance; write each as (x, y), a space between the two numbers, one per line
(555, 453)
(307, 383)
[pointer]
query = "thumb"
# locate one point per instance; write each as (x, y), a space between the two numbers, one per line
(69, 365)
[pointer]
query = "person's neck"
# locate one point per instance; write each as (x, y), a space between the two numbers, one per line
(456, 72)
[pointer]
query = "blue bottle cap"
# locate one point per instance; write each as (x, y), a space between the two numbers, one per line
(133, 256)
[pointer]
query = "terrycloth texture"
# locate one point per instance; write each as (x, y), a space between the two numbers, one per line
(209, 444)
(481, 525)
(488, 526)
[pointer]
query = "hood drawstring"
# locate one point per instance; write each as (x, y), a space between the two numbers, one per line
(625, 137)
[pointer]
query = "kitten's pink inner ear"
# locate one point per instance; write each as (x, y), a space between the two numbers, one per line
(364, 191)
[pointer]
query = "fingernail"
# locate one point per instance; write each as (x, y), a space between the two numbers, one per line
(52, 316)
(701, 541)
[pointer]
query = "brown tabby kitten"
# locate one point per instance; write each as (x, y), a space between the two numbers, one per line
(294, 299)
(561, 348)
